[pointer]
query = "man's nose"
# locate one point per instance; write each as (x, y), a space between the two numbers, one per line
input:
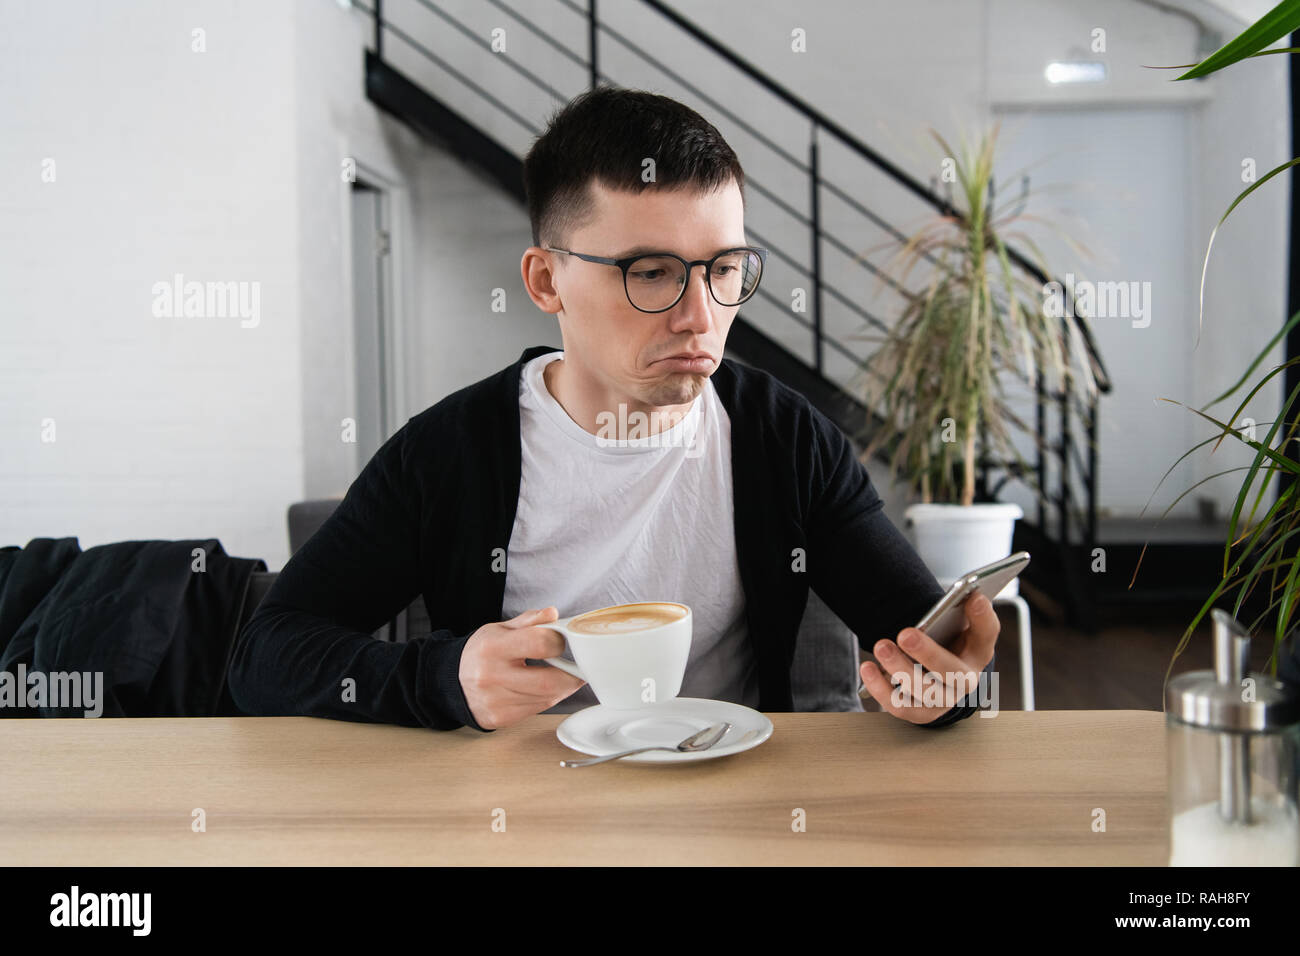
(696, 301)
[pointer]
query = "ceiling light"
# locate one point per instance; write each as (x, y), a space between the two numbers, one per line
(1075, 72)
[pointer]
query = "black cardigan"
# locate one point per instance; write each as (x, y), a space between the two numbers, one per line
(432, 512)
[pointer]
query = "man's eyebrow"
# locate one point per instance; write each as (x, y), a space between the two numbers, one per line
(643, 250)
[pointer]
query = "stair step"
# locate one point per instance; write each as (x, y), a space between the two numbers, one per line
(1156, 530)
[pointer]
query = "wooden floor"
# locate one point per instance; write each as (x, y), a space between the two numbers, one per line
(1121, 667)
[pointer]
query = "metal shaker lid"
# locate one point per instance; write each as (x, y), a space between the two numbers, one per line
(1222, 699)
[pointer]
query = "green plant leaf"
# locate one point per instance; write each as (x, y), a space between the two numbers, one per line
(1257, 463)
(1262, 563)
(1285, 463)
(1188, 66)
(1276, 370)
(1288, 599)
(1244, 193)
(1290, 324)
(1271, 27)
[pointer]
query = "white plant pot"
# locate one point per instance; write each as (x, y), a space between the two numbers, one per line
(955, 539)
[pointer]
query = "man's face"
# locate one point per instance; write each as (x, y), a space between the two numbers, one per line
(614, 343)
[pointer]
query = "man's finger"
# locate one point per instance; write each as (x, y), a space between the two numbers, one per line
(880, 688)
(906, 702)
(983, 628)
(539, 684)
(532, 616)
(537, 643)
(932, 655)
(898, 668)
(528, 639)
(876, 683)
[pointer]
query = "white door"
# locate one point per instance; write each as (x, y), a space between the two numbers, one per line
(1117, 178)
(372, 325)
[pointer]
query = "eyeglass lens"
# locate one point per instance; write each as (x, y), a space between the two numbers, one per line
(654, 283)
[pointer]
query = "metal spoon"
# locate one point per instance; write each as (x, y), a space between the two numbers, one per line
(701, 740)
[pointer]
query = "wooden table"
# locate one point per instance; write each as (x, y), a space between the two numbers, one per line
(1018, 788)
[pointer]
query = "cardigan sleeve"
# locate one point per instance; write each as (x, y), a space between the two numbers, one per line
(308, 650)
(859, 563)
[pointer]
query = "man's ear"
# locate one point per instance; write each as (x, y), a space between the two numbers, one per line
(537, 269)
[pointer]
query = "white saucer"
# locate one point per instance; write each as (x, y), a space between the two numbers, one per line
(600, 730)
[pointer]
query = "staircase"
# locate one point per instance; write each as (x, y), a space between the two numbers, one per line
(802, 351)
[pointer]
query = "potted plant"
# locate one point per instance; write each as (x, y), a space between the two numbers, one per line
(1264, 549)
(937, 379)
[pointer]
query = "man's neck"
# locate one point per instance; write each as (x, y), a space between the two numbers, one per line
(584, 405)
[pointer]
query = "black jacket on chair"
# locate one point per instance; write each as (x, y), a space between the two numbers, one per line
(157, 618)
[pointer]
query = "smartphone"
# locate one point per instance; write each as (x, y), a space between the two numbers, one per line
(946, 619)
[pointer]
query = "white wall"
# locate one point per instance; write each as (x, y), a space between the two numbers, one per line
(166, 161)
(224, 166)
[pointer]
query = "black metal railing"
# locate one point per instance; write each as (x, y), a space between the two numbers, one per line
(1060, 516)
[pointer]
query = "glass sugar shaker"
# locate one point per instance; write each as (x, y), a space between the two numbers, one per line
(1233, 740)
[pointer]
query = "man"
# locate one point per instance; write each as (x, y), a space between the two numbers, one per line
(635, 464)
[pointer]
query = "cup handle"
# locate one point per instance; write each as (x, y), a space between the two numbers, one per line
(569, 667)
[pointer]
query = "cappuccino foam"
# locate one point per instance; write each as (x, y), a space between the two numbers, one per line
(627, 618)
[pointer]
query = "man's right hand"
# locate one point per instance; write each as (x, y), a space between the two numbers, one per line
(499, 687)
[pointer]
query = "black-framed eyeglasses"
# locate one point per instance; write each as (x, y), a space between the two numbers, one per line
(656, 281)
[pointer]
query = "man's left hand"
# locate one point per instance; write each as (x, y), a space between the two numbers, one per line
(961, 663)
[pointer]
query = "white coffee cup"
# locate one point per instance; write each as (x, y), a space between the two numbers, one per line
(632, 655)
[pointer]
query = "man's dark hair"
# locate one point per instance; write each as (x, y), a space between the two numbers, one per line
(606, 134)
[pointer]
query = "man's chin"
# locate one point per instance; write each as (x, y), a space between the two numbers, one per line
(679, 388)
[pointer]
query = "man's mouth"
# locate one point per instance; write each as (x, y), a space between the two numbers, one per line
(688, 362)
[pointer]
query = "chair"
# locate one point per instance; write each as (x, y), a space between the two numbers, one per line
(824, 673)
(305, 518)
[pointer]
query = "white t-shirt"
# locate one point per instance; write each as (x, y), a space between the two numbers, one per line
(602, 521)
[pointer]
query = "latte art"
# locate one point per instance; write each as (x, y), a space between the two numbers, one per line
(627, 618)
